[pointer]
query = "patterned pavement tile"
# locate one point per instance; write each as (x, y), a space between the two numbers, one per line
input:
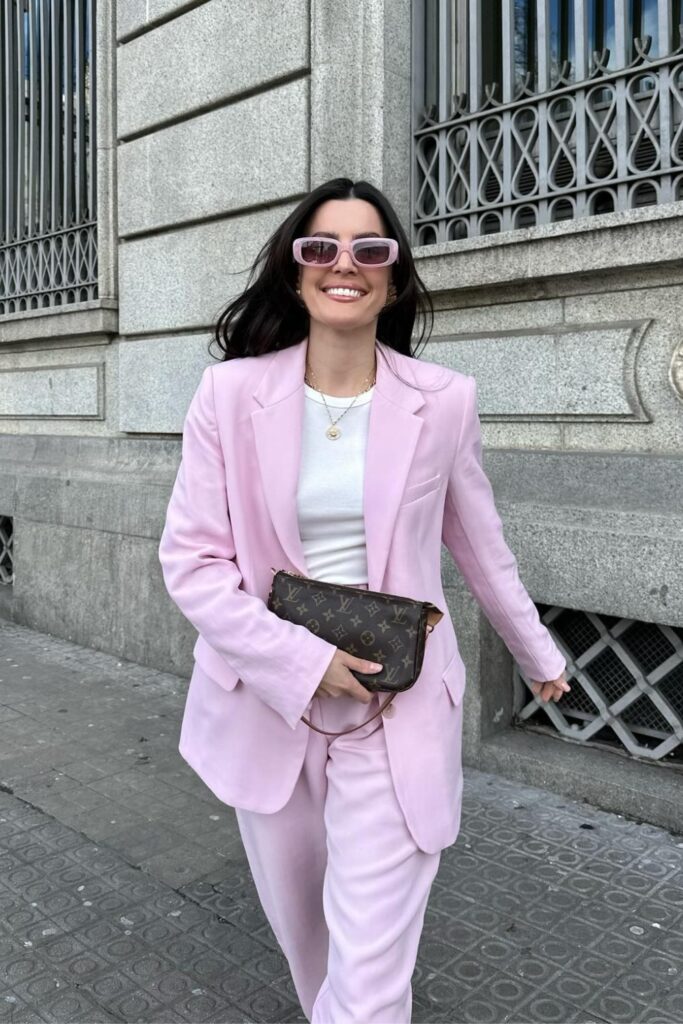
(439, 993)
(547, 1008)
(537, 971)
(544, 910)
(15, 1011)
(467, 969)
(615, 1004)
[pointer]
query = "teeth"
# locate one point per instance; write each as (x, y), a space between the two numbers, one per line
(343, 291)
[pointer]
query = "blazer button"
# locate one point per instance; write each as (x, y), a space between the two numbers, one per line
(389, 711)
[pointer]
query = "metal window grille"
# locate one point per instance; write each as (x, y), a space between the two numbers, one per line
(48, 154)
(626, 681)
(6, 560)
(536, 111)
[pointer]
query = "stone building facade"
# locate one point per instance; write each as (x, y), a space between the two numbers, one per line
(210, 120)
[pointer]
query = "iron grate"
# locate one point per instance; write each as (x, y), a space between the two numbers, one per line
(575, 629)
(612, 140)
(610, 675)
(642, 714)
(671, 688)
(6, 557)
(48, 155)
(647, 644)
(626, 680)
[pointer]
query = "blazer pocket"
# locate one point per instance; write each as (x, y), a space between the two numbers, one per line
(453, 677)
(418, 490)
(215, 666)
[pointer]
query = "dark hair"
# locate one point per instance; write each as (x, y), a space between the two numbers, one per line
(269, 315)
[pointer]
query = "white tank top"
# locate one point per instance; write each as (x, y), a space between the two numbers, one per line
(330, 491)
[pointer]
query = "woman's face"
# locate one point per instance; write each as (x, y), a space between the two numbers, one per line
(345, 219)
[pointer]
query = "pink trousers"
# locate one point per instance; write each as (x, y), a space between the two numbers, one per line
(339, 876)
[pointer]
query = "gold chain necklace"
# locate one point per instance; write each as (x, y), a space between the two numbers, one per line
(333, 431)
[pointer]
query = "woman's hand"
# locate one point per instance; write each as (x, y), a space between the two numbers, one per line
(338, 681)
(551, 688)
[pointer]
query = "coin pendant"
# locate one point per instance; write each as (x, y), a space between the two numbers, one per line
(333, 433)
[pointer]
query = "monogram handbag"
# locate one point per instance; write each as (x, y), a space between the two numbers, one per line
(386, 628)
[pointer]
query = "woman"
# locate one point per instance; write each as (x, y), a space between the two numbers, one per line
(321, 445)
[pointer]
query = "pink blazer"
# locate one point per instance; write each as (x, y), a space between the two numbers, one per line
(232, 516)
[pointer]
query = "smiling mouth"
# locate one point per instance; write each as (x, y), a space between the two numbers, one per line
(344, 294)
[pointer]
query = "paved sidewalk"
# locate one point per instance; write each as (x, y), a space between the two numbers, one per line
(125, 895)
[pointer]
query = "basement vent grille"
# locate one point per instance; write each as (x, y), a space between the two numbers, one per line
(626, 681)
(6, 560)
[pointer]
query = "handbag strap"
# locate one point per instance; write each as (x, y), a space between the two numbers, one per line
(343, 732)
(353, 728)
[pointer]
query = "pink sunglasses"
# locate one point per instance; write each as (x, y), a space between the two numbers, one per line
(365, 252)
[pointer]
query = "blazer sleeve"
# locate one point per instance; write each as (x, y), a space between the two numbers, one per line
(473, 534)
(280, 661)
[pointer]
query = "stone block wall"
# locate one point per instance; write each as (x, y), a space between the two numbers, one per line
(216, 118)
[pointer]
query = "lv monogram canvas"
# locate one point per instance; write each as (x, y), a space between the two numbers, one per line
(384, 628)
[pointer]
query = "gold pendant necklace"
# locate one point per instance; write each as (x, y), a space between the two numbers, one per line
(333, 432)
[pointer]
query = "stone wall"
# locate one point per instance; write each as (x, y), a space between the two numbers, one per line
(216, 118)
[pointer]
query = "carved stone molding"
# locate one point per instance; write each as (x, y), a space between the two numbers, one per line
(676, 371)
(564, 373)
(53, 392)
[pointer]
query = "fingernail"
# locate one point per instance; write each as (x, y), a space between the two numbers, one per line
(376, 666)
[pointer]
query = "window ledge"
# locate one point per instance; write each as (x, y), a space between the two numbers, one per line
(649, 235)
(96, 322)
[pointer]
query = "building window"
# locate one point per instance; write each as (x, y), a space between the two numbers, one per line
(48, 155)
(626, 681)
(534, 111)
(6, 559)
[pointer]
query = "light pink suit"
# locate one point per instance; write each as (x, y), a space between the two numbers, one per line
(232, 516)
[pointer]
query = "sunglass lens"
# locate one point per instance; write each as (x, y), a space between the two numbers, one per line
(318, 251)
(371, 253)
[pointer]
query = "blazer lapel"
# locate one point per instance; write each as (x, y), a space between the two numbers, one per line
(393, 433)
(278, 426)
